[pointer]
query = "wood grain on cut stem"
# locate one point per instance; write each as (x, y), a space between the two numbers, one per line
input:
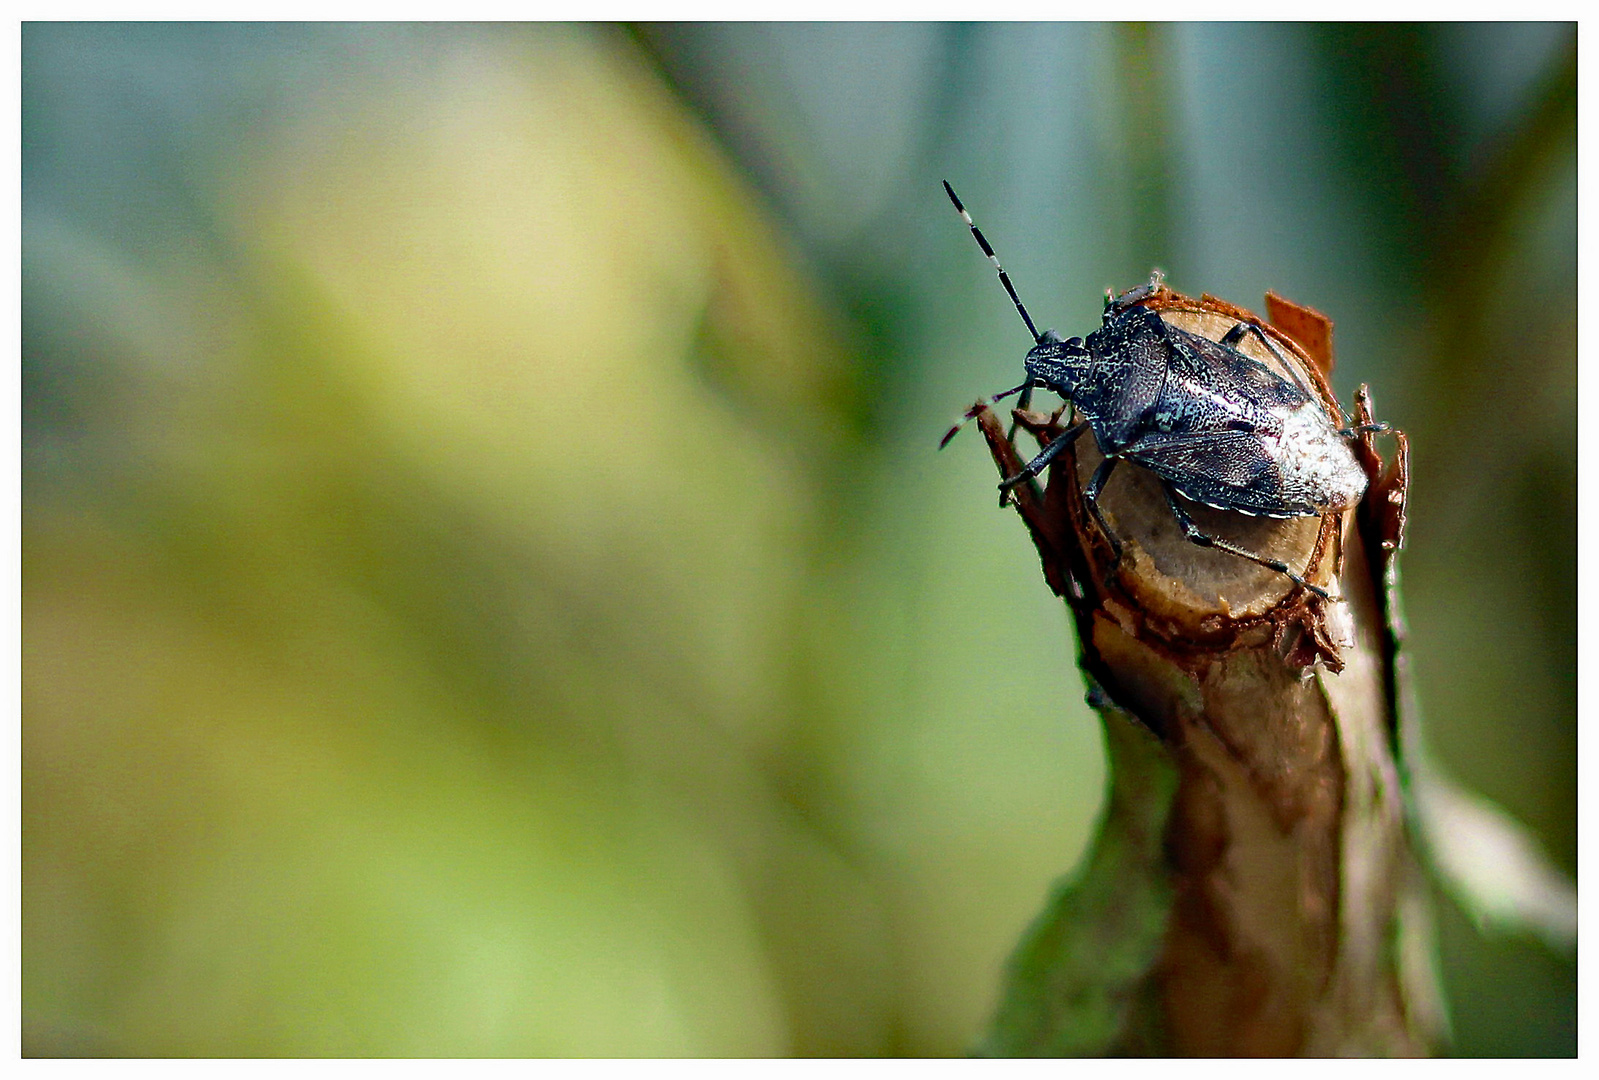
(1294, 920)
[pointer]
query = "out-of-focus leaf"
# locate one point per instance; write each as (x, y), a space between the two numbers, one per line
(404, 606)
(1489, 864)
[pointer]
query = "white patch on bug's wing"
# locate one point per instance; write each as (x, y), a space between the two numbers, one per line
(1316, 461)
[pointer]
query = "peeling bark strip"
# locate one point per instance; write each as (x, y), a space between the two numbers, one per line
(1294, 922)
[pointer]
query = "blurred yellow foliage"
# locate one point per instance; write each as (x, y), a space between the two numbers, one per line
(409, 699)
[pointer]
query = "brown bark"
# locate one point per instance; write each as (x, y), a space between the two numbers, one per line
(1298, 898)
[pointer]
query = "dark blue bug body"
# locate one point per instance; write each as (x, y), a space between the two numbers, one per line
(1219, 426)
(1214, 424)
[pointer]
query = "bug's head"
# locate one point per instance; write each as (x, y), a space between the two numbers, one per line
(1057, 365)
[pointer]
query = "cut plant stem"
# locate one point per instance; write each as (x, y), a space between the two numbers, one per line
(1297, 921)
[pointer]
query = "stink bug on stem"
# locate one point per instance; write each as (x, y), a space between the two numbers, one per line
(1214, 425)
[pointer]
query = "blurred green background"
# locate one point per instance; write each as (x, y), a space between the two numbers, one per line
(488, 586)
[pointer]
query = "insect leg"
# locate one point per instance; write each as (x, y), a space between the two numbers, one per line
(1194, 536)
(1048, 454)
(1232, 337)
(1236, 334)
(1096, 484)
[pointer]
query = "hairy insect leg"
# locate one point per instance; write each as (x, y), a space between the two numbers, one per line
(1096, 484)
(1045, 456)
(1195, 536)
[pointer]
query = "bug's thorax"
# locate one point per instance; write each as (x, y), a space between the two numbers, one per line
(1122, 383)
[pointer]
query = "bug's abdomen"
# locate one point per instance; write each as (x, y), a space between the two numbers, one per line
(1290, 464)
(1315, 462)
(1227, 470)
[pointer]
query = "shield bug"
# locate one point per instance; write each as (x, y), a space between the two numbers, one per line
(1214, 425)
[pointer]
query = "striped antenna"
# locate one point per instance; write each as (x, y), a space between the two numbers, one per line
(973, 412)
(1004, 278)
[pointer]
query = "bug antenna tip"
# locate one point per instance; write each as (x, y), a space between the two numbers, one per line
(952, 432)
